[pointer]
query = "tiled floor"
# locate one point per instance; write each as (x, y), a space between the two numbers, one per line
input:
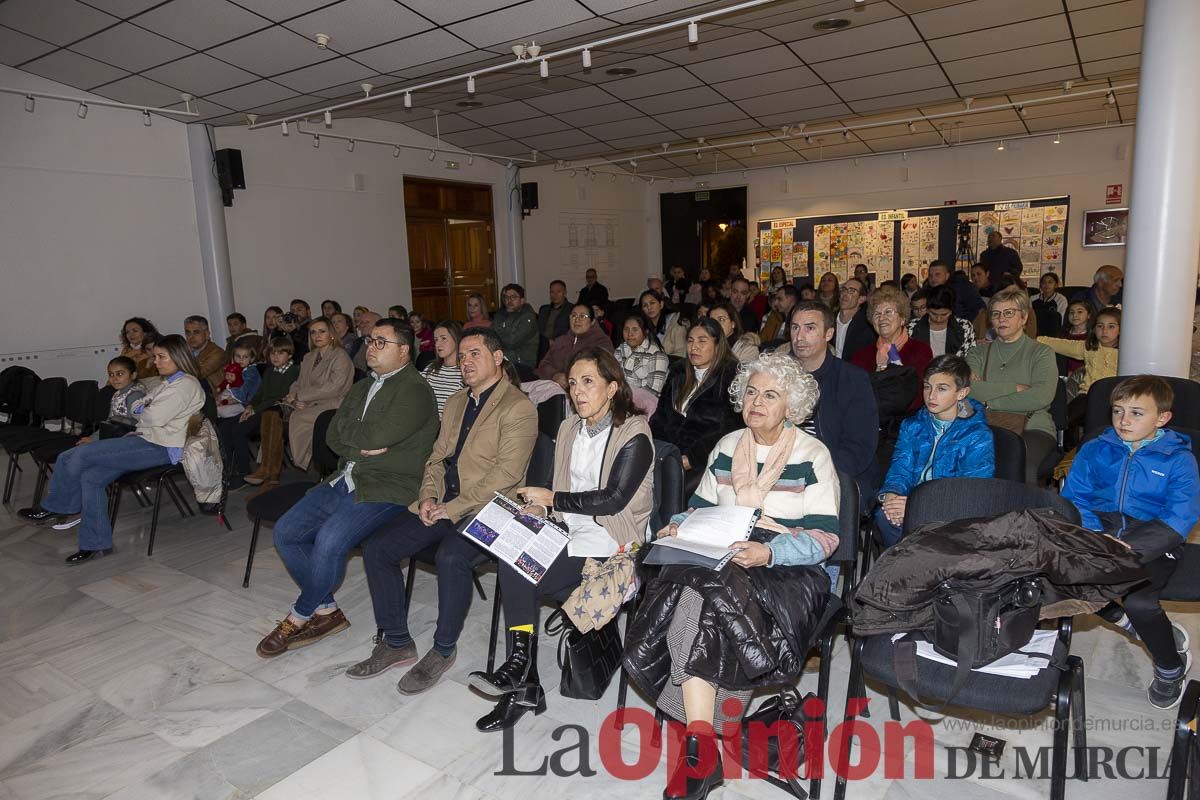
(136, 677)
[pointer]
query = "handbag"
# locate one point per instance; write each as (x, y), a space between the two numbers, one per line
(1009, 420)
(784, 710)
(588, 660)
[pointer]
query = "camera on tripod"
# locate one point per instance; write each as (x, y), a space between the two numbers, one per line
(964, 230)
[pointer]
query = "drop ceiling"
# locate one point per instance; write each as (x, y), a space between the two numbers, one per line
(752, 71)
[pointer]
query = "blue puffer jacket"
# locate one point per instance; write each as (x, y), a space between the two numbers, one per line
(966, 450)
(1158, 481)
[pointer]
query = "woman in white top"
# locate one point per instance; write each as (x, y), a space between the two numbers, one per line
(83, 473)
(443, 375)
(671, 334)
(603, 493)
(743, 345)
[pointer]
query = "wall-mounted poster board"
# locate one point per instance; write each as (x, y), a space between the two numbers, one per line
(892, 243)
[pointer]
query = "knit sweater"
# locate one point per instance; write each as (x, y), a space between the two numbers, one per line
(1097, 364)
(162, 416)
(567, 345)
(1024, 361)
(275, 386)
(804, 500)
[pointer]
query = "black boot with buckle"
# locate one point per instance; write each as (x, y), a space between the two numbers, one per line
(516, 674)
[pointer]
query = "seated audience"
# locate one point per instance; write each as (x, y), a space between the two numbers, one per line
(478, 315)
(641, 357)
(302, 314)
(270, 330)
(853, 326)
(128, 390)
(828, 291)
(1105, 290)
(1016, 375)
(600, 313)
(945, 333)
(263, 414)
(382, 433)
(79, 483)
(773, 592)
(484, 446)
(517, 327)
(239, 333)
(421, 332)
(680, 288)
(584, 335)
(865, 277)
(744, 346)
(602, 492)
(888, 309)
(1152, 509)
(918, 305)
(807, 292)
(326, 374)
(655, 284)
(241, 382)
(778, 280)
(398, 312)
(343, 330)
(593, 292)
(209, 357)
(1099, 356)
(138, 335)
(982, 280)
(759, 302)
(1050, 297)
(291, 327)
(358, 312)
(669, 328)
(694, 410)
(366, 324)
(948, 438)
(968, 304)
(329, 308)
(1077, 328)
(552, 317)
(909, 284)
(740, 296)
(443, 375)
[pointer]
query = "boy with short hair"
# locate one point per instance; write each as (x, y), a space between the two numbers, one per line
(275, 385)
(1137, 482)
(948, 438)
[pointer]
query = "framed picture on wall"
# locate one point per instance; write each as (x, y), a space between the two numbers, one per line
(1105, 227)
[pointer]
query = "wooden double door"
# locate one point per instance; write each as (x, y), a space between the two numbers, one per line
(451, 246)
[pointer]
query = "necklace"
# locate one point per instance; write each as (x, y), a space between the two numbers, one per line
(1005, 358)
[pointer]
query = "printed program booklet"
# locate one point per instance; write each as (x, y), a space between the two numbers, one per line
(528, 543)
(704, 537)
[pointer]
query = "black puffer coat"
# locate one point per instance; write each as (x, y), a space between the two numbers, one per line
(1081, 570)
(756, 627)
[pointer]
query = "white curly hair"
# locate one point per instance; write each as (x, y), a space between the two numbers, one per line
(799, 387)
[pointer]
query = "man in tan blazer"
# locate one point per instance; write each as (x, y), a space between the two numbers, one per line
(210, 357)
(486, 440)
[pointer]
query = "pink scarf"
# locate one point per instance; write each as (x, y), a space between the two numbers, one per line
(751, 486)
(883, 347)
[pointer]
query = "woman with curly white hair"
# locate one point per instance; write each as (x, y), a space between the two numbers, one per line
(703, 638)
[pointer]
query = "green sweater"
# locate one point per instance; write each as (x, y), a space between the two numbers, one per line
(519, 333)
(403, 418)
(1024, 361)
(274, 387)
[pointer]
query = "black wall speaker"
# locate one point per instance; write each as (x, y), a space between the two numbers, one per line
(529, 196)
(229, 169)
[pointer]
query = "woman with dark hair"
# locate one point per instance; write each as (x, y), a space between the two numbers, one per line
(329, 308)
(1077, 327)
(778, 280)
(829, 291)
(602, 493)
(443, 375)
(270, 330)
(82, 474)
(694, 411)
(138, 335)
(343, 330)
(584, 334)
(909, 284)
(742, 344)
(640, 356)
(326, 374)
(667, 327)
(945, 333)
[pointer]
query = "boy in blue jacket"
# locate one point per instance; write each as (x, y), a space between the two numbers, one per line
(1138, 483)
(948, 438)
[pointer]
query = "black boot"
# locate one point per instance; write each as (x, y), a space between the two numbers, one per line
(685, 787)
(519, 672)
(511, 708)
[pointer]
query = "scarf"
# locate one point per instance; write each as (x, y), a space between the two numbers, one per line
(889, 352)
(751, 489)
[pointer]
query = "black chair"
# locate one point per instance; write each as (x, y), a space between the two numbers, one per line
(162, 477)
(551, 413)
(1186, 409)
(1184, 776)
(17, 388)
(80, 413)
(669, 498)
(424, 359)
(274, 503)
(949, 499)
(1010, 454)
(50, 403)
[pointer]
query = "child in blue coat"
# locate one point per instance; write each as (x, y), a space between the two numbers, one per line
(948, 438)
(1138, 482)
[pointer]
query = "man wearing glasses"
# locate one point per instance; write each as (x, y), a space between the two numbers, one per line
(382, 434)
(517, 327)
(853, 328)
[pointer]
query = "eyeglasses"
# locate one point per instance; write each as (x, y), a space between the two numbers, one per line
(379, 343)
(884, 313)
(511, 296)
(1007, 313)
(849, 290)
(581, 316)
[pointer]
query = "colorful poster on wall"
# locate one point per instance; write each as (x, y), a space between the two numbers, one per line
(910, 245)
(929, 229)
(799, 260)
(821, 236)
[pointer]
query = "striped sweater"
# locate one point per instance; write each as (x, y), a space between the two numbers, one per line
(804, 500)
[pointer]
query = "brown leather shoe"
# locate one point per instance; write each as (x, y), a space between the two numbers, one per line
(320, 626)
(277, 642)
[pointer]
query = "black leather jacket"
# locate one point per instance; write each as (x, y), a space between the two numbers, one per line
(629, 469)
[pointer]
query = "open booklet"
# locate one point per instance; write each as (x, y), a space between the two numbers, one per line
(528, 543)
(704, 537)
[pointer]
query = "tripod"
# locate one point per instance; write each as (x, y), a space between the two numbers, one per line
(964, 258)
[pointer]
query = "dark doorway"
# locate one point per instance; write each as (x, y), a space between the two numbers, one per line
(704, 229)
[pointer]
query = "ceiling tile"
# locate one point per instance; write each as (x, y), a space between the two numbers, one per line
(507, 112)
(1110, 45)
(768, 83)
(980, 15)
(200, 23)
(709, 115)
(809, 115)
(16, 47)
(880, 85)
(441, 65)
(130, 47)
(531, 127)
(543, 89)
(519, 21)
(474, 137)
(419, 49)
(271, 52)
(57, 21)
(123, 8)
(917, 6)
(204, 108)
(73, 69)
(561, 36)
(810, 97)
(862, 16)
(671, 80)
(325, 75)
(646, 141)
(199, 75)
(603, 61)
(443, 123)
(581, 151)
(1111, 66)
(1029, 32)
(359, 24)
(252, 95)
(857, 39)
(551, 141)
(652, 9)
(1097, 116)
(508, 148)
(1129, 14)
(874, 63)
(140, 91)
(585, 97)
(600, 114)
(739, 128)
(445, 13)
(1075, 5)
(626, 128)
(279, 10)
(1026, 59)
(1025, 79)
(835, 149)
(299, 103)
(903, 100)
(748, 64)
(908, 140)
(732, 43)
(677, 101)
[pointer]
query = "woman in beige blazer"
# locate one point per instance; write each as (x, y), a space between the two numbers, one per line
(326, 374)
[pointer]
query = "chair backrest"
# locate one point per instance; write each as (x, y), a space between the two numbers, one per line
(1058, 407)
(1010, 454)
(424, 359)
(1185, 410)
(551, 412)
(26, 386)
(849, 518)
(50, 401)
(949, 499)
(325, 459)
(81, 400)
(541, 463)
(102, 405)
(669, 481)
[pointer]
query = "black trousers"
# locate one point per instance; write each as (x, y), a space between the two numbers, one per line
(522, 600)
(235, 442)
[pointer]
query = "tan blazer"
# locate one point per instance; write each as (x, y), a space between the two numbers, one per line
(212, 365)
(494, 456)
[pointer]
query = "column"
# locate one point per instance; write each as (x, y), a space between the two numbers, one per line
(515, 221)
(1164, 215)
(210, 225)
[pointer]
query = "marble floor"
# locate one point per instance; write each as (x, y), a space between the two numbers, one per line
(136, 677)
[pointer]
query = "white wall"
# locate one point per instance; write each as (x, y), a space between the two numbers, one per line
(97, 224)
(300, 230)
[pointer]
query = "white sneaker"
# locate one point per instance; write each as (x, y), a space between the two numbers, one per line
(67, 524)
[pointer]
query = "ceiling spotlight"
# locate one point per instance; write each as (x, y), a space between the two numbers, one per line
(544, 68)
(82, 112)
(699, 156)
(283, 127)
(587, 58)
(904, 156)
(432, 155)
(1110, 99)
(396, 151)
(350, 146)
(799, 129)
(591, 175)
(1000, 146)
(786, 130)
(665, 146)
(30, 103)
(754, 148)
(470, 161)
(612, 178)
(912, 127)
(316, 141)
(366, 87)
(808, 140)
(408, 99)
(1058, 138)
(470, 84)
(187, 101)
(631, 180)
(652, 181)
(519, 50)
(633, 163)
(1021, 111)
(845, 135)
(573, 173)
(146, 118)
(533, 49)
(693, 33)
(744, 173)
(251, 119)
(328, 119)
(322, 41)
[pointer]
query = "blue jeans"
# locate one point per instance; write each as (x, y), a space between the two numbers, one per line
(888, 533)
(81, 478)
(316, 535)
